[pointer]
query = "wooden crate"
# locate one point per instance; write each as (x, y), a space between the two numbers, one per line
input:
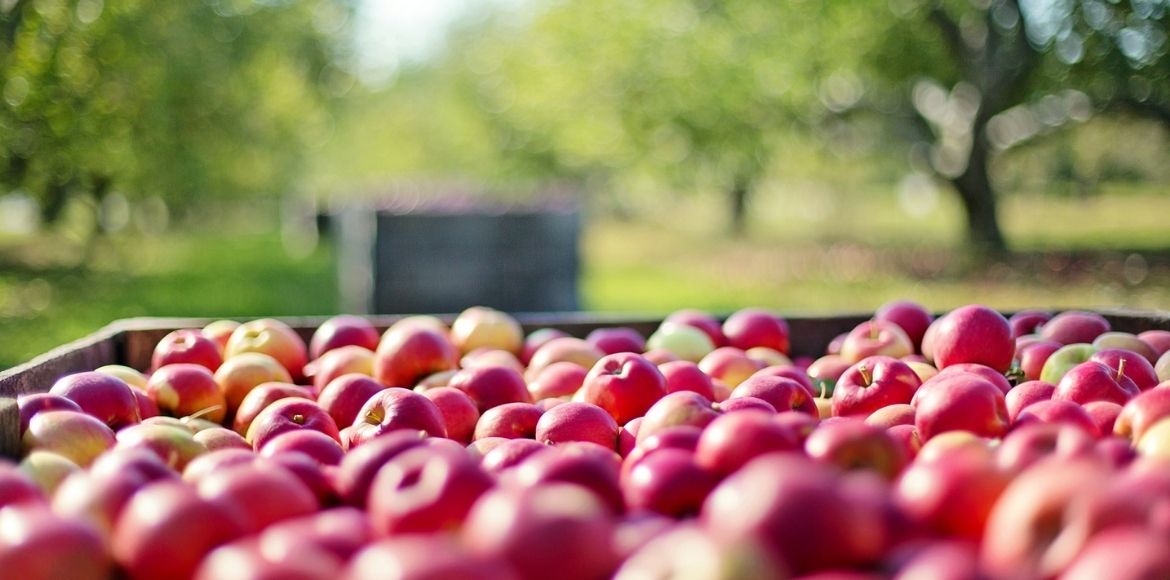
(131, 342)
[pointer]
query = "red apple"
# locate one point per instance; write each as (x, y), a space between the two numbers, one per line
(219, 332)
(702, 321)
(746, 403)
(853, 444)
(460, 414)
(1074, 327)
(314, 444)
(1058, 412)
(243, 372)
(393, 409)
(79, 437)
(588, 465)
(873, 383)
(1026, 393)
(797, 374)
(1033, 356)
(1093, 381)
(615, 339)
(751, 327)
(491, 386)
(273, 338)
(1027, 322)
(625, 385)
(986, 373)
(891, 416)
(1159, 341)
(420, 491)
(221, 438)
(139, 462)
(536, 340)
(1141, 412)
(109, 399)
(339, 362)
(668, 482)
(953, 494)
(825, 371)
(677, 409)
(964, 402)
(186, 346)
(911, 317)
(733, 439)
(510, 453)
(405, 356)
(510, 421)
(684, 375)
(259, 496)
(782, 393)
(1030, 443)
(35, 403)
(249, 558)
(424, 557)
(260, 397)
(1121, 553)
(874, 338)
(214, 461)
(480, 327)
(37, 543)
(973, 334)
(560, 379)
(1104, 415)
(1129, 363)
(290, 414)
(359, 466)
(340, 531)
(344, 397)
(730, 365)
(182, 389)
(341, 331)
(686, 551)
(97, 498)
(174, 445)
(577, 422)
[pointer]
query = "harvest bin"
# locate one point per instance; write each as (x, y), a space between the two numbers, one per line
(131, 342)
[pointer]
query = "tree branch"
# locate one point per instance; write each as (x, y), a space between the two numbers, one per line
(952, 35)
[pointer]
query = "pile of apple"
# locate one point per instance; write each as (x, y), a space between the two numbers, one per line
(971, 446)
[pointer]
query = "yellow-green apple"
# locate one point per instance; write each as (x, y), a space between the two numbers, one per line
(47, 469)
(1131, 364)
(702, 321)
(911, 317)
(258, 496)
(40, 544)
(874, 338)
(537, 339)
(406, 356)
(871, 384)
(751, 327)
(260, 398)
(340, 361)
(577, 422)
(1126, 341)
(733, 439)
(1025, 394)
(74, 435)
(962, 402)
(1127, 552)
(925, 371)
(683, 375)
(1093, 381)
(510, 421)
(1028, 321)
(1065, 358)
(615, 339)
(420, 491)
(1058, 411)
(730, 365)
(184, 389)
(166, 529)
(768, 356)
(395, 409)
(479, 327)
(784, 394)
(1163, 367)
(681, 340)
(1141, 412)
(343, 330)
(273, 338)
(35, 403)
(1158, 340)
(289, 414)
(675, 409)
(793, 503)
(186, 346)
(174, 445)
(491, 386)
(1074, 326)
(973, 334)
(221, 438)
(220, 331)
(625, 385)
(1155, 441)
(534, 530)
(1104, 415)
(668, 482)
(242, 373)
(560, 379)
(314, 444)
(953, 494)
(1030, 443)
(1032, 357)
(344, 396)
(891, 415)
(128, 375)
(510, 453)
(108, 398)
(423, 556)
(460, 414)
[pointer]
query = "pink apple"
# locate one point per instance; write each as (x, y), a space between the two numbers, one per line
(536, 340)
(782, 393)
(35, 403)
(1026, 393)
(1032, 442)
(874, 338)
(953, 494)
(40, 544)
(291, 414)
(1159, 340)
(730, 365)
(260, 397)
(911, 317)
(1124, 552)
(460, 414)
(1104, 415)
(273, 338)
(187, 346)
(18, 488)
(394, 409)
(892, 415)
(340, 361)
(560, 379)
(491, 357)
(1093, 381)
(420, 491)
(250, 558)
(1141, 412)
(588, 465)
(344, 397)
(356, 473)
(751, 327)
(790, 372)
(702, 321)
(963, 402)
(1027, 322)
(825, 371)
(259, 496)
(1060, 412)
(986, 373)
(340, 331)
(423, 556)
(1073, 327)
(973, 334)
(684, 375)
(221, 438)
(733, 439)
(744, 404)
(668, 482)
(314, 444)
(183, 389)
(873, 383)
(407, 355)
(1131, 364)
(577, 422)
(625, 385)
(510, 421)
(79, 437)
(108, 399)
(491, 386)
(615, 339)
(1033, 357)
(675, 409)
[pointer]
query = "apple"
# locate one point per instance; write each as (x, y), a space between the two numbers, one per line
(422, 556)
(1027, 322)
(1067, 357)
(219, 332)
(356, 472)
(733, 439)
(338, 362)
(1026, 393)
(35, 403)
(925, 371)
(1141, 412)
(668, 482)
(420, 491)
(250, 558)
(186, 346)
(109, 399)
(680, 340)
(783, 394)
(491, 386)
(627, 438)
(1034, 356)
(257, 496)
(394, 409)
(174, 445)
(1093, 381)
(1030, 443)
(675, 409)
(405, 356)
(560, 379)
(730, 365)
(314, 444)
(146, 406)
(271, 337)
(770, 357)
(1073, 327)
(973, 334)
(873, 383)
(990, 375)
(221, 438)
(290, 414)
(746, 403)
(1131, 364)
(1126, 341)
(684, 437)
(791, 372)
(594, 468)
(97, 498)
(460, 414)
(435, 380)
(537, 339)
(577, 422)
(1104, 415)
(341, 331)
(625, 385)
(510, 453)
(47, 469)
(1126, 552)
(681, 375)
(873, 338)
(37, 543)
(183, 389)
(165, 530)
(660, 356)
(911, 317)
(479, 327)
(128, 375)
(213, 461)
(853, 444)
(892, 415)
(702, 321)
(243, 372)
(686, 551)
(1163, 367)
(260, 397)
(1158, 340)
(510, 421)
(344, 397)
(953, 494)
(141, 463)
(17, 488)
(825, 371)
(424, 321)
(964, 402)
(615, 339)
(1060, 412)
(79, 437)
(751, 327)
(340, 531)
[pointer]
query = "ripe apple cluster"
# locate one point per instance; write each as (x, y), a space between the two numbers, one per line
(971, 445)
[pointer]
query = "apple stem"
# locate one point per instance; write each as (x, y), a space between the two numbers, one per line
(204, 412)
(824, 388)
(873, 330)
(865, 375)
(1120, 369)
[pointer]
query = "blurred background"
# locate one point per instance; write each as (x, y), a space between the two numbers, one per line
(221, 158)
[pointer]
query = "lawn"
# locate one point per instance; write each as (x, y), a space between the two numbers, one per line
(851, 254)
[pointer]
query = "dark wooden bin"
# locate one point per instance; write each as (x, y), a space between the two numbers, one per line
(131, 342)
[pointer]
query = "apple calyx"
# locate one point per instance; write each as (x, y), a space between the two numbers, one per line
(299, 419)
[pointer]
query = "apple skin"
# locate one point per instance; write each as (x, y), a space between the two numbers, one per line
(1027, 322)
(730, 365)
(491, 386)
(953, 494)
(1126, 341)
(186, 346)
(340, 531)
(1025, 394)
(174, 445)
(344, 397)
(852, 444)
(274, 338)
(1163, 367)
(791, 372)
(260, 397)
(166, 528)
(420, 491)
(826, 371)
(615, 339)
(510, 421)
(221, 438)
(1137, 368)
(1058, 412)
(213, 461)
(938, 559)
(1142, 412)
(752, 327)
(537, 339)
(891, 416)
(875, 338)
(675, 409)
(250, 558)
(47, 470)
(40, 544)
(973, 334)
(219, 332)
(745, 404)
(109, 399)
(1073, 327)
(686, 551)
(682, 341)
(422, 557)
(79, 437)
(1093, 381)
(873, 383)
(339, 362)
(1159, 341)
(287, 415)
(1034, 356)
(964, 402)
(625, 385)
(35, 403)
(244, 372)
(668, 482)
(340, 331)
(577, 421)
(460, 414)
(183, 389)
(560, 379)
(1064, 359)
(409, 354)
(990, 375)
(1104, 415)
(259, 496)
(782, 393)
(491, 357)
(1126, 552)
(146, 406)
(396, 409)
(96, 498)
(702, 321)
(911, 317)
(314, 444)
(1031, 443)
(683, 375)
(481, 327)
(18, 488)
(734, 439)
(534, 530)
(138, 462)
(510, 453)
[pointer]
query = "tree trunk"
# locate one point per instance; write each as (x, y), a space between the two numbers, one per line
(53, 204)
(739, 196)
(974, 186)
